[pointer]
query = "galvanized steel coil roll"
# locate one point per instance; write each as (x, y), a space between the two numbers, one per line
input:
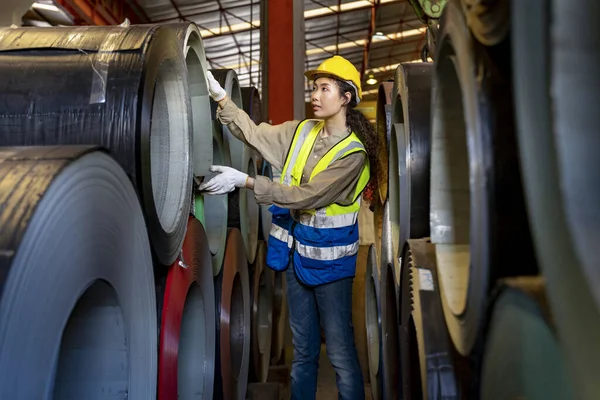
(261, 293)
(373, 324)
(195, 60)
(216, 207)
(124, 88)
(227, 78)
(77, 299)
(359, 310)
(383, 121)
(232, 305)
(252, 104)
(413, 83)
(477, 215)
(187, 325)
(389, 310)
(244, 212)
(426, 353)
(558, 146)
(523, 357)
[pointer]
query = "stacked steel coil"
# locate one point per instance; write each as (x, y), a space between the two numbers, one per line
(105, 243)
(466, 185)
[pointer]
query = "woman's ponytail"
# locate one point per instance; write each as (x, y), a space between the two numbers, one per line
(365, 131)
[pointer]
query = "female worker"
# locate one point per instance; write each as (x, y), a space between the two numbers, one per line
(324, 168)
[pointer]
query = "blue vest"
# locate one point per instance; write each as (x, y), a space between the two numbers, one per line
(323, 242)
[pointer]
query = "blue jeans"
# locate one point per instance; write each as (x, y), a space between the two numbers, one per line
(329, 306)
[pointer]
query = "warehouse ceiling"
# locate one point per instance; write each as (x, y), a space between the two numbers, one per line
(231, 32)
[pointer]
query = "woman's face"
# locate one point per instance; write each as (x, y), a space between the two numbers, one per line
(326, 98)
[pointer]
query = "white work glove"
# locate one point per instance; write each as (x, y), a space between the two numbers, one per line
(226, 181)
(216, 92)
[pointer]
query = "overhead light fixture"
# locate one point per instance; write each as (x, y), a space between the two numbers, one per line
(47, 7)
(377, 36)
(371, 80)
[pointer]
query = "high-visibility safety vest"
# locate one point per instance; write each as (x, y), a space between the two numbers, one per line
(324, 242)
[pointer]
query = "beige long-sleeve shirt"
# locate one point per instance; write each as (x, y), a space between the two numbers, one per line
(336, 184)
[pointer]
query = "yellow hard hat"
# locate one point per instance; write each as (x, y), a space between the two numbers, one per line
(341, 68)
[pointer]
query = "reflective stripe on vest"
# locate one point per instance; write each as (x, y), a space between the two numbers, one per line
(281, 234)
(326, 239)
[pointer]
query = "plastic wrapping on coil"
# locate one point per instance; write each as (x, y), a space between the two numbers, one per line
(124, 88)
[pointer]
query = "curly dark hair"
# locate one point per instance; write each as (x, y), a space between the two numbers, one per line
(365, 131)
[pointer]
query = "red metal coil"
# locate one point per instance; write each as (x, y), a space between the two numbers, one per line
(188, 310)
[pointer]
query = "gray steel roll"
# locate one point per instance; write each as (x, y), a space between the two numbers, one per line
(195, 60)
(373, 324)
(216, 207)
(477, 210)
(558, 146)
(261, 292)
(78, 304)
(123, 88)
(384, 125)
(232, 295)
(523, 356)
(227, 78)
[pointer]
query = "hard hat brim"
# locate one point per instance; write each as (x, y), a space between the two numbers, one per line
(314, 72)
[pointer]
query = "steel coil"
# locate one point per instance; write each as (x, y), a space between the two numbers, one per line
(216, 206)
(261, 294)
(557, 142)
(232, 305)
(195, 59)
(373, 324)
(265, 214)
(523, 358)
(77, 278)
(425, 348)
(413, 81)
(389, 311)
(359, 310)
(252, 104)
(280, 311)
(187, 335)
(244, 212)
(478, 219)
(124, 88)
(383, 120)
(227, 78)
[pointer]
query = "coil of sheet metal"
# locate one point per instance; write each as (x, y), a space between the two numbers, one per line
(131, 96)
(77, 278)
(359, 310)
(383, 120)
(477, 213)
(216, 206)
(232, 305)
(413, 82)
(195, 60)
(252, 104)
(187, 334)
(425, 348)
(261, 293)
(389, 310)
(557, 142)
(243, 210)
(523, 357)
(228, 79)
(373, 323)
